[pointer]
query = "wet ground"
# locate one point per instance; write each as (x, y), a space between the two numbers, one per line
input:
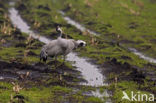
(37, 72)
(75, 76)
(89, 71)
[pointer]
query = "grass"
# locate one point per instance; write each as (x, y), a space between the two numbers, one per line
(34, 94)
(109, 18)
(5, 93)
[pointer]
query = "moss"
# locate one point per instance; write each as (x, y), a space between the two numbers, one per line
(94, 100)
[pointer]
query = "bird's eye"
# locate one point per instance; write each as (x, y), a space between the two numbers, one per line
(81, 44)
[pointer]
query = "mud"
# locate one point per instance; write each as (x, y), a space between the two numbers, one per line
(117, 68)
(44, 7)
(22, 7)
(37, 72)
(127, 72)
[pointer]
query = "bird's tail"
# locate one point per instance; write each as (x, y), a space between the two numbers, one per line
(43, 55)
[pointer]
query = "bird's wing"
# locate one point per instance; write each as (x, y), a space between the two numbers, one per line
(51, 44)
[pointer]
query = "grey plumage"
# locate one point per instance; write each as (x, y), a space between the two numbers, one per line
(43, 55)
(60, 46)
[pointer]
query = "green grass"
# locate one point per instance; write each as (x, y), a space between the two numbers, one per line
(5, 94)
(41, 94)
(34, 94)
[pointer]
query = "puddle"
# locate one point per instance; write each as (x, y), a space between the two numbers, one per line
(24, 72)
(18, 22)
(3, 77)
(32, 74)
(12, 3)
(104, 95)
(100, 95)
(76, 24)
(141, 55)
(90, 72)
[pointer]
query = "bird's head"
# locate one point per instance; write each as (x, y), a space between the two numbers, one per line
(81, 43)
(58, 29)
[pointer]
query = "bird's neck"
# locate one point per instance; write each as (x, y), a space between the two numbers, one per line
(75, 43)
(60, 35)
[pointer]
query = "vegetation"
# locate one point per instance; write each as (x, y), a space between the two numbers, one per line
(121, 24)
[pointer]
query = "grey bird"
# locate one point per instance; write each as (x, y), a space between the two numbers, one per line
(60, 46)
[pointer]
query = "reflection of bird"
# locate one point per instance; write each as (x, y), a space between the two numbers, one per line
(125, 96)
(60, 46)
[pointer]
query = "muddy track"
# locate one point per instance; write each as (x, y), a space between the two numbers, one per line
(37, 72)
